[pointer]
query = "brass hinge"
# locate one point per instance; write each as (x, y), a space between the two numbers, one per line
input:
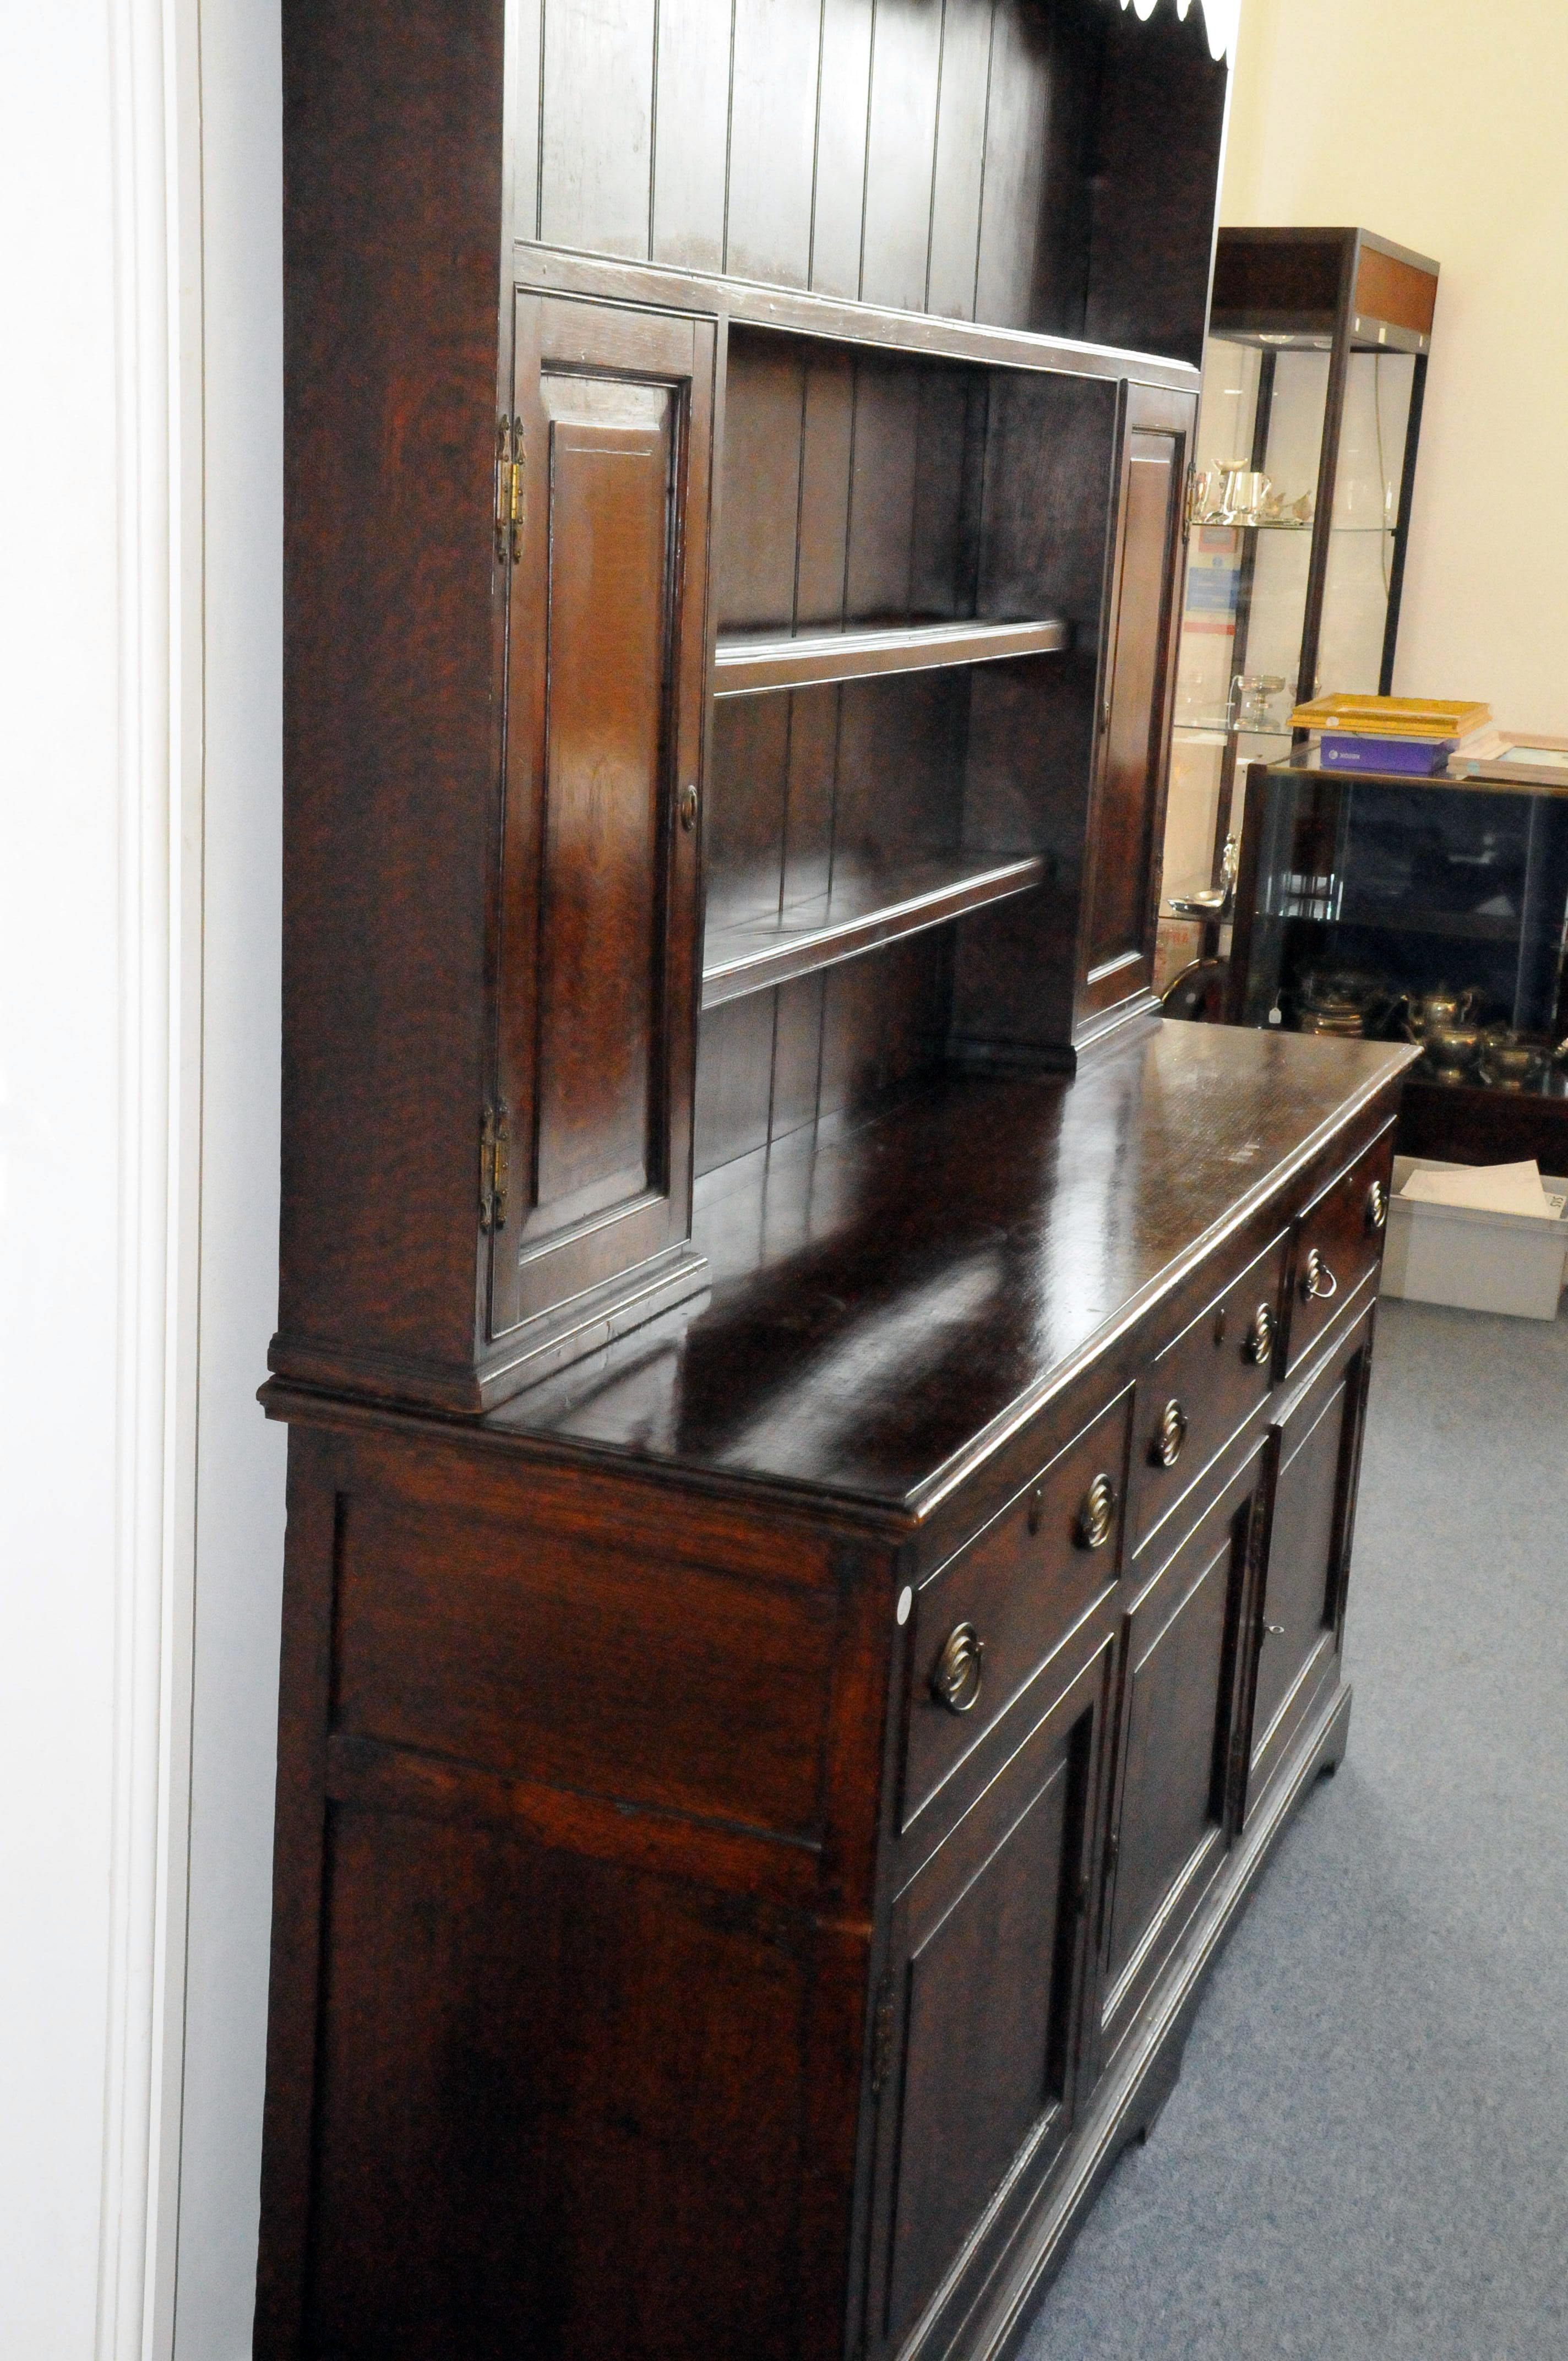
(881, 2036)
(511, 452)
(1190, 502)
(495, 1167)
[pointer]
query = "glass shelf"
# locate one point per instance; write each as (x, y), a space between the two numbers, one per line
(1218, 731)
(1280, 524)
(1472, 925)
(1252, 524)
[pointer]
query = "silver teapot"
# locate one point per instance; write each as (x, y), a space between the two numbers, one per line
(1453, 1051)
(1440, 1010)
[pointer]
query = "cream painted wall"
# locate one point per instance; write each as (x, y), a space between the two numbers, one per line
(1439, 123)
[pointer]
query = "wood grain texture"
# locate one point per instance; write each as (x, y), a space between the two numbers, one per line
(896, 1324)
(958, 171)
(1387, 288)
(1130, 801)
(988, 160)
(1025, 1582)
(393, 190)
(299, 1837)
(754, 554)
(487, 2107)
(598, 877)
(596, 109)
(987, 1954)
(772, 111)
(689, 160)
(511, 1645)
(838, 211)
(901, 135)
(1159, 121)
(517, 1690)
(1018, 147)
(641, 1933)
(734, 1081)
(828, 428)
(749, 785)
(1181, 1701)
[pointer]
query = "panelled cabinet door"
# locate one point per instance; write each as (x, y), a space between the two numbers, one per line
(601, 515)
(1127, 814)
(1301, 1598)
(1180, 1699)
(976, 2037)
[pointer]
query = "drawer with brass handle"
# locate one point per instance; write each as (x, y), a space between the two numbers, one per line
(1339, 1240)
(1202, 1386)
(1262, 1329)
(959, 1669)
(1169, 1434)
(985, 1624)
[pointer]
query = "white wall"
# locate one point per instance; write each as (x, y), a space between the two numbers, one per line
(239, 1493)
(60, 1104)
(1439, 123)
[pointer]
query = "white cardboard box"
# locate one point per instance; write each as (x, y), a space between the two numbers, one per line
(1481, 1262)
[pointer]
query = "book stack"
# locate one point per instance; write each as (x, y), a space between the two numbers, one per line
(1408, 737)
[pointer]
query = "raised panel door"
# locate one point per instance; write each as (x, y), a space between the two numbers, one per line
(1300, 1599)
(1181, 1695)
(1126, 820)
(977, 2036)
(605, 515)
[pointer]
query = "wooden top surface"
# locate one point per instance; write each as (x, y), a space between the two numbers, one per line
(887, 1308)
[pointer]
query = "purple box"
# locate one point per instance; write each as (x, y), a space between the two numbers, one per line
(1413, 758)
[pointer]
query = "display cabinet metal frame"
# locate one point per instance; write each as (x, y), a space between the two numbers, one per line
(1343, 292)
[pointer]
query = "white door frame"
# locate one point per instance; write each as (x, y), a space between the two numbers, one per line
(155, 102)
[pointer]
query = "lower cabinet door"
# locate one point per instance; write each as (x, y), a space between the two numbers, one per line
(1316, 1449)
(976, 2038)
(1180, 1699)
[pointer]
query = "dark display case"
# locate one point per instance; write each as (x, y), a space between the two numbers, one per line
(1380, 906)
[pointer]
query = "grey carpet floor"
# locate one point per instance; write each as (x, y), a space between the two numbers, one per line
(1366, 2157)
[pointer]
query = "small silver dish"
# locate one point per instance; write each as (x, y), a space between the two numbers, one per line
(1510, 1062)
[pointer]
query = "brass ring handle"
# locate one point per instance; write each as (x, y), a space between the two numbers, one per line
(688, 807)
(1097, 1517)
(1169, 1434)
(1259, 1345)
(956, 1676)
(1317, 1280)
(1376, 1206)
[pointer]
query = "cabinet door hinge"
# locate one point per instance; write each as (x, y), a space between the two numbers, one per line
(512, 452)
(881, 2036)
(495, 1166)
(1190, 501)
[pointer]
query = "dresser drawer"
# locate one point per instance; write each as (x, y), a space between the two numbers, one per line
(1339, 1240)
(988, 1621)
(1205, 1382)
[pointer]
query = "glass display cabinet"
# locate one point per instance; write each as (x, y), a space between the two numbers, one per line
(1376, 905)
(1299, 515)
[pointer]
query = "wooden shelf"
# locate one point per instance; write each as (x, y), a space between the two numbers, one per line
(862, 909)
(1465, 926)
(806, 661)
